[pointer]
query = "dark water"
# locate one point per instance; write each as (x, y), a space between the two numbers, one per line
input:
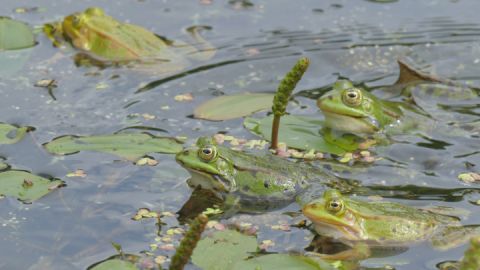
(73, 227)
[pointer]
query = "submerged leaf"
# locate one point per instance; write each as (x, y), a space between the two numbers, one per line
(15, 35)
(13, 61)
(131, 146)
(116, 264)
(223, 249)
(233, 106)
(283, 261)
(303, 133)
(10, 134)
(25, 186)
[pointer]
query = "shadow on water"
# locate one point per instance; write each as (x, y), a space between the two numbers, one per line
(413, 192)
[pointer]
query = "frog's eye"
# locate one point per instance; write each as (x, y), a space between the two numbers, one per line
(334, 205)
(352, 97)
(77, 21)
(207, 153)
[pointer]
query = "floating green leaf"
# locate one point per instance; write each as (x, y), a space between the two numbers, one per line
(223, 249)
(282, 261)
(233, 250)
(25, 186)
(10, 134)
(116, 264)
(15, 35)
(233, 106)
(302, 132)
(131, 146)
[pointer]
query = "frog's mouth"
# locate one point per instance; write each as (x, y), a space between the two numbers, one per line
(338, 231)
(351, 123)
(209, 181)
(333, 227)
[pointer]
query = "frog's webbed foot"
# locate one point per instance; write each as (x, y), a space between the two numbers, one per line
(203, 49)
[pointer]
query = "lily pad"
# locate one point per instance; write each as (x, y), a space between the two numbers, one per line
(25, 186)
(131, 146)
(10, 134)
(282, 261)
(223, 249)
(302, 132)
(233, 106)
(116, 264)
(15, 35)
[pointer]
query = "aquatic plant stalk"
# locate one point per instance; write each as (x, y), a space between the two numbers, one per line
(285, 89)
(188, 243)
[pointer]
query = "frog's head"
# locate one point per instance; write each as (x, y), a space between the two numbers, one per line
(76, 26)
(351, 109)
(332, 215)
(209, 169)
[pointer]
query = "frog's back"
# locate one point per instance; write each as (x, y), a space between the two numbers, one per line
(276, 165)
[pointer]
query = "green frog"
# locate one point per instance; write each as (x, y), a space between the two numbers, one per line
(366, 225)
(254, 179)
(354, 110)
(351, 109)
(104, 39)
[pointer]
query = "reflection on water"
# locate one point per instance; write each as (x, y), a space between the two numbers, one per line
(72, 228)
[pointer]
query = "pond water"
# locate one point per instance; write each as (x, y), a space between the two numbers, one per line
(258, 42)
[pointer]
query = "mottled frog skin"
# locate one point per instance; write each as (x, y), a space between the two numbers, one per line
(363, 225)
(105, 39)
(254, 178)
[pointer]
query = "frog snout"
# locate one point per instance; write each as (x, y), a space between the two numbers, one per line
(184, 153)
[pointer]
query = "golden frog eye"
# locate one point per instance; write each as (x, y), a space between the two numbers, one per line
(77, 20)
(352, 97)
(207, 153)
(334, 205)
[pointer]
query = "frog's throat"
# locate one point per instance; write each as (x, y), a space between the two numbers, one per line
(360, 124)
(210, 181)
(338, 231)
